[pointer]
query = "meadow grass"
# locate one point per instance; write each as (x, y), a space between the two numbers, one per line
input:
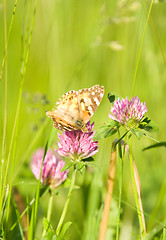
(48, 48)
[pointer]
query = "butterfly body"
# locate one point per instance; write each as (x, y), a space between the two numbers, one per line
(76, 108)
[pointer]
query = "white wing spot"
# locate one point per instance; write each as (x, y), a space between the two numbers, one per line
(87, 101)
(83, 106)
(90, 109)
(96, 101)
(101, 95)
(93, 93)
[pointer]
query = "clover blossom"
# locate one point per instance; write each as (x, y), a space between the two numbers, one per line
(51, 169)
(128, 112)
(77, 145)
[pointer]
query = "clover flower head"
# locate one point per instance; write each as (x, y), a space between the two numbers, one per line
(51, 169)
(128, 112)
(77, 145)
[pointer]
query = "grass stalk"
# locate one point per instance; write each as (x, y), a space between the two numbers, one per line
(137, 193)
(35, 207)
(108, 198)
(5, 106)
(121, 159)
(164, 234)
(42, 191)
(58, 229)
(140, 49)
(158, 204)
(6, 45)
(15, 127)
(49, 210)
(5, 112)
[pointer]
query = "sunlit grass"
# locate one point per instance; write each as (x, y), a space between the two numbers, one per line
(64, 45)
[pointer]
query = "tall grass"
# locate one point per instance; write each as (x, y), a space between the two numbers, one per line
(49, 48)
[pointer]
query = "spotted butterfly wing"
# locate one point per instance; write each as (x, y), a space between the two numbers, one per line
(89, 100)
(65, 112)
(75, 109)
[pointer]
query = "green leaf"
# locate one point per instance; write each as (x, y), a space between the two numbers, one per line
(148, 125)
(89, 159)
(49, 236)
(160, 144)
(120, 139)
(155, 231)
(80, 167)
(65, 228)
(149, 136)
(82, 170)
(141, 132)
(57, 238)
(138, 133)
(106, 130)
(89, 164)
(67, 166)
(111, 97)
(47, 225)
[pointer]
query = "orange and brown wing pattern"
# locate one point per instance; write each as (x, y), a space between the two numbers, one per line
(89, 100)
(66, 112)
(75, 109)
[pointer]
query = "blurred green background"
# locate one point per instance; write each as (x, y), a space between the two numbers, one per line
(77, 44)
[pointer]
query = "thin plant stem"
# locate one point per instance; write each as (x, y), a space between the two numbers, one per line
(140, 49)
(15, 128)
(42, 191)
(49, 210)
(120, 186)
(58, 229)
(19, 206)
(50, 206)
(157, 39)
(134, 175)
(5, 107)
(5, 111)
(159, 201)
(164, 233)
(10, 28)
(108, 198)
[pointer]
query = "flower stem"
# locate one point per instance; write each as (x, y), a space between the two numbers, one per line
(120, 187)
(67, 203)
(50, 206)
(49, 210)
(108, 198)
(137, 193)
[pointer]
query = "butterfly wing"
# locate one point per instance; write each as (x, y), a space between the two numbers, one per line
(66, 113)
(75, 109)
(88, 101)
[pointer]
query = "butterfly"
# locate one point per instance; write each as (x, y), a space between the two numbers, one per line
(76, 108)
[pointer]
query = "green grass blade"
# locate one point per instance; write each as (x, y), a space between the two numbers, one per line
(35, 207)
(9, 32)
(140, 50)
